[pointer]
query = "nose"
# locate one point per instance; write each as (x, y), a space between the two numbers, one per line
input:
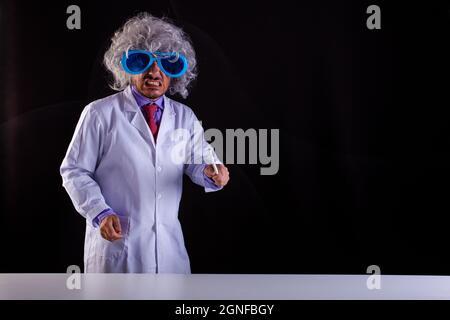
(154, 68)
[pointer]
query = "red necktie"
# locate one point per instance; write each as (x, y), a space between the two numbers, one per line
(150, 111)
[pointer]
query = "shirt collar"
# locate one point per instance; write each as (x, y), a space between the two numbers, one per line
(142, 100)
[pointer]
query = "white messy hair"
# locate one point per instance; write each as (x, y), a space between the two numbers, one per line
(146, 32)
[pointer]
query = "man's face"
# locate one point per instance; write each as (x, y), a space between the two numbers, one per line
(153, 83)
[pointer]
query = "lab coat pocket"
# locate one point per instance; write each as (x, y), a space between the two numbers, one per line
(113, 250)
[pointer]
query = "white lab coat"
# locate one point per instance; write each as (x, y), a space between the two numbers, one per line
(113, 162)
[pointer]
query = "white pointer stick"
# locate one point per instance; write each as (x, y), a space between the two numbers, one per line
(213, 162)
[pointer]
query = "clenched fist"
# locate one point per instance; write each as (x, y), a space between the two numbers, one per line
(221, 178)
(110, 228)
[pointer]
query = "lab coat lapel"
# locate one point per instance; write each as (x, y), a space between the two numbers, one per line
(136, 117)
(167, 124)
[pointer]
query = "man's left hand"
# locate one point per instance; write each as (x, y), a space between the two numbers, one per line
(221, 178)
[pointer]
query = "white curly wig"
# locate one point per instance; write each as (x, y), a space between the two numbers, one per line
(146, 32)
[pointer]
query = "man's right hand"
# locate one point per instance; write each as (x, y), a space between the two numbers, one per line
(110, 228)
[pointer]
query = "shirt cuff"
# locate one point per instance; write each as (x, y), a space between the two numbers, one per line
(102, 215)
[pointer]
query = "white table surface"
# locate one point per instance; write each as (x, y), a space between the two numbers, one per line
(221, 287)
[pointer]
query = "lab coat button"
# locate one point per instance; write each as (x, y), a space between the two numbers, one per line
(159, 169)
(159, 195)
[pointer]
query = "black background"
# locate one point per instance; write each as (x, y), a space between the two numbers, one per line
(363, 118)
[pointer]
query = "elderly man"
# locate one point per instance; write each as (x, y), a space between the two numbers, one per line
(121, 171)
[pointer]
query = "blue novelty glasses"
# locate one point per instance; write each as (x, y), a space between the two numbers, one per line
(173, 64)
